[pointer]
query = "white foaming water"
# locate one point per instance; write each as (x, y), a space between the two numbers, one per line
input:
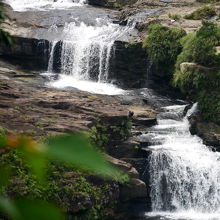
(86, 54)
(51, 59)
(66, 81)
(86, 49)
(184, 173)
(25, 5)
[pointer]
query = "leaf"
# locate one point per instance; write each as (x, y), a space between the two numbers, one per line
(8, 208)
(3, 141)
(37, 164)
(77, 151)
(32, 153)
(37, 210)
(5, 175)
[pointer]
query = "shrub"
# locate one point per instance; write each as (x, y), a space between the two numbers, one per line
(200, 48)
(198, 69)
(202, 13)
(174, 17)
(209, 105)
(163, 46)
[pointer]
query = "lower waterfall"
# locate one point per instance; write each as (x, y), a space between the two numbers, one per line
(184, 173)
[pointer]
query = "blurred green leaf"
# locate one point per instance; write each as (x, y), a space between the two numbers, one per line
(37, 210)
(77, 150)
(37, 164)
(5, 175)
(3, 141)
(32, 153)
(8, 208)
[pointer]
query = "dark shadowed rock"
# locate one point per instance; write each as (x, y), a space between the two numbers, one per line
(135, 189)
(208, 131)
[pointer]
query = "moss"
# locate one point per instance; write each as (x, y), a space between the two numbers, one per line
(101, 133)
(202, 13)
(163, 46)
(117, 5)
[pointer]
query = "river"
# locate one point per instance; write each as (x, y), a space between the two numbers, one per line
(184, 173)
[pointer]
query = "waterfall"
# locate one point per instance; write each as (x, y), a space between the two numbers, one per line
(87, 50)
(23, 5)
(184, 173)
(51, 59)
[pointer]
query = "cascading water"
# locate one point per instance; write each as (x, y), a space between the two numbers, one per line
(184, 173)
(85, 47)
(24, 5)
(86, 53)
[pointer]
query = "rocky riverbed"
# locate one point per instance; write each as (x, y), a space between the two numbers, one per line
(33, 110)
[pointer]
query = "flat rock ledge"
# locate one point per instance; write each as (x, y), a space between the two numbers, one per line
(39, 112)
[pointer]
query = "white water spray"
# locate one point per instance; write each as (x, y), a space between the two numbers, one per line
(184, 173)
(86, 54)
(25, 5)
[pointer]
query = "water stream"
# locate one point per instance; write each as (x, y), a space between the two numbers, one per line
(24, 5)
(86, 53)
(184, 173)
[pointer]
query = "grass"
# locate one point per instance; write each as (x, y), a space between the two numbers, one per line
(174, 17)
(202, 13)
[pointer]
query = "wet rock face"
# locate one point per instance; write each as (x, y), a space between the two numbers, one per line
(111, 3)
(129, 67)
(208, 131)
(135, 189)
(29, 52)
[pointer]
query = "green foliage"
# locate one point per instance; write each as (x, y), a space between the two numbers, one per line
(209, 105)
(117, 5)
(163, 46)
(175, 17)
(4, 36)
(25, 162)
(77, 150)
(202, 13)
(101, 134)
(198, 69)
(198, 48)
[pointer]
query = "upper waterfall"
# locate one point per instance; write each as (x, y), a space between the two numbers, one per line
(86, 51)
(24, 5)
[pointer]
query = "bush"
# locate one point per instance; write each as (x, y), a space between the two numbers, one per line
(198, 69)
(209, 105)
(175, 17)
(199, 48)
(163, 46)
(202, 13)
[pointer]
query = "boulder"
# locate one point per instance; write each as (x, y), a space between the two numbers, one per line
(124, 166)
(135, 189)
(208, 131)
